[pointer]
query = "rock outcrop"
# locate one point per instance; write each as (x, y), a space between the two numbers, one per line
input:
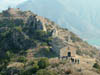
(36, 23)
(26, 16)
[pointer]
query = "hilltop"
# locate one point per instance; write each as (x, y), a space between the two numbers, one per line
(25, 37)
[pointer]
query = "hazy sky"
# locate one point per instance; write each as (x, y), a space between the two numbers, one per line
(4, 4)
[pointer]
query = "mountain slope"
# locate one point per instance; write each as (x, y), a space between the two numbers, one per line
(81, 17)
(19, 26)
(25, 38)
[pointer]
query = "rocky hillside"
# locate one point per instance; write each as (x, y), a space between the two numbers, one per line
(24, 35)
(18, 28)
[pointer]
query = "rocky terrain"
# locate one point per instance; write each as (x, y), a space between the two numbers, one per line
(26, 37)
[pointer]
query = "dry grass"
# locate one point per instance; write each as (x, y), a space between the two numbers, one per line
(16, 64)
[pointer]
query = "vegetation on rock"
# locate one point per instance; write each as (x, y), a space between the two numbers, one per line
(26, 49)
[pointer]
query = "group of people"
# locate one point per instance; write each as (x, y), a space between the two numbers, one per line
(73, 60)
(76, 61)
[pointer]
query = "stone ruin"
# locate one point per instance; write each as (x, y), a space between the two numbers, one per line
(69, 52)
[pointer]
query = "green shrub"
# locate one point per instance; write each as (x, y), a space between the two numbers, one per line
(79, 52)
(44, 44)
(21, 59)
(42, 36)
(45, 72)
(96, 65)
(35, 68)
(13, 71)
(29, 70)
(46, 50)
(32, 62)
(69, 71)
(74, 38)
(19, 28)
(55, 65)
(43, 63)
